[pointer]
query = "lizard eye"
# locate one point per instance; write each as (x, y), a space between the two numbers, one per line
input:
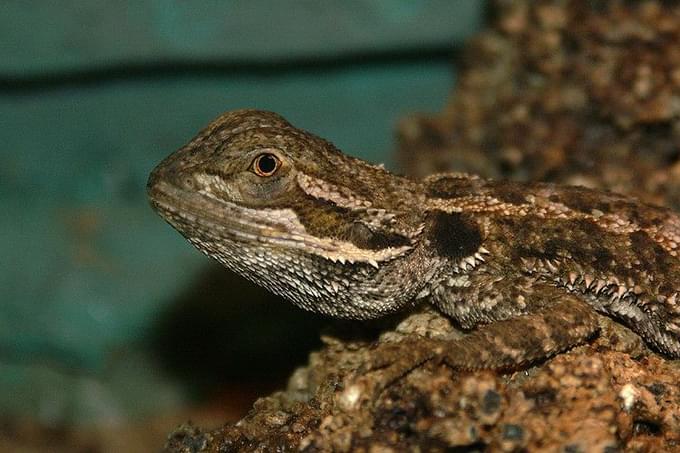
(266, 164)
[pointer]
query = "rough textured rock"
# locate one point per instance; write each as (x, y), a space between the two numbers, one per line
(568, 91)
(606, 396)
(575, 92)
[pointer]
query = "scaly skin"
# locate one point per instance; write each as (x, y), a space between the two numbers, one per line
(525, 267)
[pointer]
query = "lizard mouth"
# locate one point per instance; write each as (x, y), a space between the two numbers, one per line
(194, 213)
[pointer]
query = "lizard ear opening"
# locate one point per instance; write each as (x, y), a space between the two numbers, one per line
(266, 164)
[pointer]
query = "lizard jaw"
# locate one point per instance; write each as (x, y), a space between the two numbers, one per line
(195, 212)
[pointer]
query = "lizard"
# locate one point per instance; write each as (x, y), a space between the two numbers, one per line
(526, 269)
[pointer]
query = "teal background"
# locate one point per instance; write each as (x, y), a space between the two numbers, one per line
(93, 94)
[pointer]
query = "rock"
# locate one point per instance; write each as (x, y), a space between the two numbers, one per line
(593, 398)
(584, 93)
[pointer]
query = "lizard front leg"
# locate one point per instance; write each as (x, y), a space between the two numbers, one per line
(519, 341)
(514, 322)
(522, 325)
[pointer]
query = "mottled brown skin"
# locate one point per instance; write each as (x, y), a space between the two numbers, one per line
(524, 267)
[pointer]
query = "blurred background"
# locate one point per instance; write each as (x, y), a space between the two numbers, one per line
(109, 321)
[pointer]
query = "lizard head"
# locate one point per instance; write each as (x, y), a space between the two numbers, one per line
(287, 209)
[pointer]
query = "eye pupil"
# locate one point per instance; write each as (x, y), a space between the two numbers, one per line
(266, 164)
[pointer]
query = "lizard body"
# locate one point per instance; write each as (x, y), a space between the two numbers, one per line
(524, 267)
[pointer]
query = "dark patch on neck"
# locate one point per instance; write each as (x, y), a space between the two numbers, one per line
(582, 200)
(509, 191)
(324, 219)
(454, 235)
(452, 187)
(363, 237)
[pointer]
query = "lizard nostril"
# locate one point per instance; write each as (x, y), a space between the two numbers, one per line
(186, 181)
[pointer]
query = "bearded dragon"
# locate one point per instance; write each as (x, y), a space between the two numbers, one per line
(525, 268)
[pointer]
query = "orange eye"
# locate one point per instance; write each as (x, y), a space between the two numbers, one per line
(266, 164)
